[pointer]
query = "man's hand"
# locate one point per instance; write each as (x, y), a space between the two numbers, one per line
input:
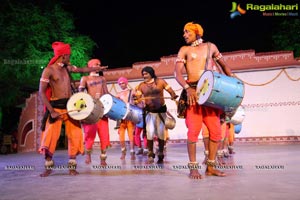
(101, 68)
(191, 96)
(174, 97)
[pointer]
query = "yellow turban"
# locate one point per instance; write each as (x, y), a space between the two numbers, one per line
(194, 27)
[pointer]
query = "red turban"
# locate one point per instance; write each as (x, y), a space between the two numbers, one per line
(93, 62)
(196, 28)
(59, 49)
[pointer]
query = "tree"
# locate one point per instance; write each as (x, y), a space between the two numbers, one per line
(286, 36)
(27, 32)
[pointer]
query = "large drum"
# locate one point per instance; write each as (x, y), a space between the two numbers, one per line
(134, 114)
(114, 108)
(238, 116)
(82, 106)
(220, 91)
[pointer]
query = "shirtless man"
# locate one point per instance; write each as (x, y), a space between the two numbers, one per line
(195, 58)
(95, 85)
(55, 78)
(152, 92)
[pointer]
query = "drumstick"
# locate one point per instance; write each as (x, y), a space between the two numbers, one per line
(70, 111)
(144, 98)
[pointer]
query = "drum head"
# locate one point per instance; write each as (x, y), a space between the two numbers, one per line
(80, 105)
(204, 87)
(107, 101)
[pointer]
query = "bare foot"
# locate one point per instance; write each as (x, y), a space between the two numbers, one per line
(231, 151)
(214, 172)
(132, 156)
(150, 160)
(123, 156)
(194, 174)
(46, 173)
(88, 159)
(73, 172)
(221, 161)
(103, 163)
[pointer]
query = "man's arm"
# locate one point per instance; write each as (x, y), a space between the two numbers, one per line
(104, 87)
(43, 86)
(82, 85)
(179, 68)
(75, 69)
(218, 57)
(170, 90)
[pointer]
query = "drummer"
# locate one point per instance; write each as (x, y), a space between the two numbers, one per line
(152, 91)
(126, 94)
(194, 58)
(55, 89)
(95, 85)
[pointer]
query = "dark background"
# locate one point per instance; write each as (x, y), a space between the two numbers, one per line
(127, 32)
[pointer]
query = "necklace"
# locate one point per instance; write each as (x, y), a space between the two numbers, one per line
(94, 74)
(197, 42)
(60, 64)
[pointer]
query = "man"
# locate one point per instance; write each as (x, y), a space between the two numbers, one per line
(152, 92)
(95, 85)
(126, 95)
(195, 58)
(56, 77)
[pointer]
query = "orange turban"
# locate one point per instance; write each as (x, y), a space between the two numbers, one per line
(93, 62)
(194, 27)
(59, 49)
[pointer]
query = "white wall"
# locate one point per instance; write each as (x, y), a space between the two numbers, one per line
(272, 109)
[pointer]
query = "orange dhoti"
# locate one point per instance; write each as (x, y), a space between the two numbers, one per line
(52, 132)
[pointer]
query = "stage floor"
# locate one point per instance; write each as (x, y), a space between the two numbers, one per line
(255, 171)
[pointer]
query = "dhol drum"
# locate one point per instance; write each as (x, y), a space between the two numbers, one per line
(238, 116)
(134, 113)
(220, 91)
(82, 106)
(114, 108)
(170, 121)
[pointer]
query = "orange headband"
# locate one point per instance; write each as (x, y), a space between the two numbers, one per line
(194, 27)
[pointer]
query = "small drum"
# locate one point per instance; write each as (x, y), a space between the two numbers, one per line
(238, 116)
(237, 128)
(134, 114)
(220, 91)
(82, 106)
(114, 108)
(170, 121)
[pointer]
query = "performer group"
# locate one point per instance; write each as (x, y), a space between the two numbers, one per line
(141, 112)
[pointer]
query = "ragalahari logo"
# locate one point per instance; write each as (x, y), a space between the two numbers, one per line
(236, 10)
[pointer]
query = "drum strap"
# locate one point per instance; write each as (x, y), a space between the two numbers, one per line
(129, 96)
